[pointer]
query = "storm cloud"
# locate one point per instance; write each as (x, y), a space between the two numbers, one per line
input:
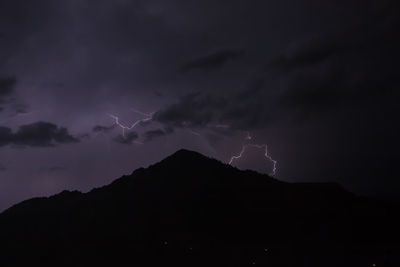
(7, 86)
(39, 134)
(192, 110)
(154, 134)
(212, 61)
(316, 81)
(103, 129)
(127, 139)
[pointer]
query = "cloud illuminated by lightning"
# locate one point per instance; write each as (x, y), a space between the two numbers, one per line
(149, 116)
(133, 125)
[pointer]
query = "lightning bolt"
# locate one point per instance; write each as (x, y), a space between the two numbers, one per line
(149, 116)
(124, 128)
(245, 146)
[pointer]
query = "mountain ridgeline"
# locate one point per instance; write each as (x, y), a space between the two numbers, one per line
(190, 210)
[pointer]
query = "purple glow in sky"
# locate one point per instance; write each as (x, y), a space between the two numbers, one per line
(314, 80)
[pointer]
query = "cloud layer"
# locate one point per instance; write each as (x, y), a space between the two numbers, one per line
(39, 134)
(317, 81)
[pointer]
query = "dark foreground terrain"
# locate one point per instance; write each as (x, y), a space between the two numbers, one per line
(189, 210)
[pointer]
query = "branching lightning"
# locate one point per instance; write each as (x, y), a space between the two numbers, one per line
(133, 125)
(260, 146)
(248, 137)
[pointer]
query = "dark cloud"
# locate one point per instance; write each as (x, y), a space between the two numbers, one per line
(212, 61)
(153, 134)
(192, 110)
(21, 109)
(353, 68)
(350, 68)
(306, 53)
(197, 110)
(312, 77)
(39, 134)
(103, 129)
(7, 86)
(9, 98)
(6, 136)
(316, 90)
(128, 139)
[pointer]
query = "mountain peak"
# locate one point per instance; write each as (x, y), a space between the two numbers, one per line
(186, 152)
(186, 202)
(186, 158)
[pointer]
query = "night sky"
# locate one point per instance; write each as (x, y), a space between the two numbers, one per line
(317, 81)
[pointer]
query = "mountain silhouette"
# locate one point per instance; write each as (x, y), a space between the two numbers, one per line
(191, 210)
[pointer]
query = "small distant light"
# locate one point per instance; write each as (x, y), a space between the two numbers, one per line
(165, 243)
(254, 263)
(191, 248)
(265, 249)
(373, 264)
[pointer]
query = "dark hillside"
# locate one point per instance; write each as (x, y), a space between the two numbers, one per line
(190, 210)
